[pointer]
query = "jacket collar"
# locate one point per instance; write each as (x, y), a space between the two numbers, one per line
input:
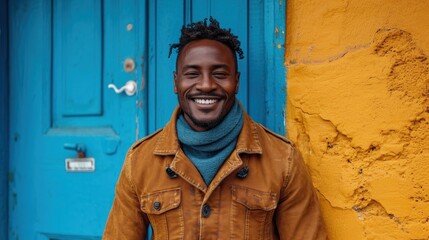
(248, 140)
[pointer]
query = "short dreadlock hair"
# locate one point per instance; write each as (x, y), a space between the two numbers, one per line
(200, 30)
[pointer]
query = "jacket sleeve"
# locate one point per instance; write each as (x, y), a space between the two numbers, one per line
(298, 214)
(126, 220)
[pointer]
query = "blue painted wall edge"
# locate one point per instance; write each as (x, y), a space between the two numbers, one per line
(4, 120)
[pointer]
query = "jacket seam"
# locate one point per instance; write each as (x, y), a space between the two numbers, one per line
(128, 174)
(289, 168)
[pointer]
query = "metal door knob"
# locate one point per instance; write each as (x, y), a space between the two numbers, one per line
(130, 88)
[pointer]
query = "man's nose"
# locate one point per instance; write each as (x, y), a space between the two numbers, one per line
(207, 83)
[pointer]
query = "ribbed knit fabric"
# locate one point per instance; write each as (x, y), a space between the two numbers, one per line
(209, 149)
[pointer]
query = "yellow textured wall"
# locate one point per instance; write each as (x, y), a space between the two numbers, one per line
(357, 107)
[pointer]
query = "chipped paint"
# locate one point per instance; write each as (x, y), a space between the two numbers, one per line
(11, 176)
(358, 109)
(137, 128)
(14, 200)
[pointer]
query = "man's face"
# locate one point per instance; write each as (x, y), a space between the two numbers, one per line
(206, 82)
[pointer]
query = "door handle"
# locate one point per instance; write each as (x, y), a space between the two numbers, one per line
(80, 148)
(130, 88)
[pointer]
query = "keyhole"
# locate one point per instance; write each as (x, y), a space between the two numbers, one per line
(129, 65)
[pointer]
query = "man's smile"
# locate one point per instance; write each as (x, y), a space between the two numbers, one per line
(205, 101)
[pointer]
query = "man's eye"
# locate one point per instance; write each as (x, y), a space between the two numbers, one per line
(220, 74)
(191, 74)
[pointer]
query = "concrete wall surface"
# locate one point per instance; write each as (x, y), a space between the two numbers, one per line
(358, 109)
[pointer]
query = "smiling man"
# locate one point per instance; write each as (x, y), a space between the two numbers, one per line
(212, 172)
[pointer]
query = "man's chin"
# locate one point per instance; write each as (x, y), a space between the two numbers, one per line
(205, 124)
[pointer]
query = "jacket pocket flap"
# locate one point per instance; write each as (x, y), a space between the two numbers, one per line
(161, 201)
(254, 199)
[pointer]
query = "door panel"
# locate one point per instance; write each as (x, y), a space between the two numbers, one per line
(77, 58)
(71, 50)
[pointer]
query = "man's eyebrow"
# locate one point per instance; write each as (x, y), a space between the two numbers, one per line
(216, 66)
(190, 66)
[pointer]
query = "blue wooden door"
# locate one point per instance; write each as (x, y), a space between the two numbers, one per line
(63, 56)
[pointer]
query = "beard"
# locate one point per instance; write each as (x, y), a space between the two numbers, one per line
(205, 124)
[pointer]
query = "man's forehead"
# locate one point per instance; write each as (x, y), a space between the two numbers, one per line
(202, 43)
(205, 47)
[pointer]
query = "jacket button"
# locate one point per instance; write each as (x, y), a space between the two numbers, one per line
(206, 211)
(243, 172)
(157, 206)
(170, 173)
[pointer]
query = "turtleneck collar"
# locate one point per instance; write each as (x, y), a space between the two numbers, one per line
(208, 150)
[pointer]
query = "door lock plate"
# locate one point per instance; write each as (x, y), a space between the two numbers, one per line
(80, 164)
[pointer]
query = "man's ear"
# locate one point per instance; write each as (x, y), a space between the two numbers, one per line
(237, 78)
(175, 80)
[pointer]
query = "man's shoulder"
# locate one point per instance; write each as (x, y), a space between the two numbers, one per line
(271, 134)
(148, 138)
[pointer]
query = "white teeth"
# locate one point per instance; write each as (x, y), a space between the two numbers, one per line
(205, 101)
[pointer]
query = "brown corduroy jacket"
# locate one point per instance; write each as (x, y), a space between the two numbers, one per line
(262, 191)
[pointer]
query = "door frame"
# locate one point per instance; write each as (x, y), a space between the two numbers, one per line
(4, 119)
(275, 69)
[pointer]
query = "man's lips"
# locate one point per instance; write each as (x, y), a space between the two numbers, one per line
(205, 99)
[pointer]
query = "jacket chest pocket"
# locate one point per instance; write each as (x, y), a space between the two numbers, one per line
(252, 213)
(165, 214)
